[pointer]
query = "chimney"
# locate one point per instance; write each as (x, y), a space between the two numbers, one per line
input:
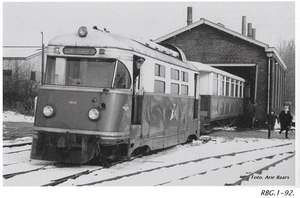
(189, 15)
(253, 33)
(249, 30)
(244, 25)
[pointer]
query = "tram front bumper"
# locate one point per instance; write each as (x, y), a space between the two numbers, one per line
(72, 146)
(67, 148)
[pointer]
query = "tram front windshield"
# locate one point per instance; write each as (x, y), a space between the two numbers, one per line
(102, 73)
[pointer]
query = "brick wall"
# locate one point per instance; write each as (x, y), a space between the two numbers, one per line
(209, 45)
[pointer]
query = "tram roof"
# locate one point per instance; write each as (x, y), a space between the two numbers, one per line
(206, 68)
(108, 40)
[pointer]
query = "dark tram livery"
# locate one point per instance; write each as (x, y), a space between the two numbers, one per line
(106, 97)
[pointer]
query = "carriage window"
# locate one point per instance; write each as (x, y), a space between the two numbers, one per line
(232, 88)
(174, 74)
(184, 90)
(237, 89)
(87, 72)
(159, 86)
(184, 76)
(222, 85)
(174, 88)
(215, 84)
(227, 86)
(241, 89)
(160, 70)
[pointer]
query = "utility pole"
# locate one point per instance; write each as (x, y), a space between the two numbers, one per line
(42, 71)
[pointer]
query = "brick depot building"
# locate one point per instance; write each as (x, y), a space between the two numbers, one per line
(239, 54)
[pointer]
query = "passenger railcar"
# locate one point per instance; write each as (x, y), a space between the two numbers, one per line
(222, 95)
(106, 97)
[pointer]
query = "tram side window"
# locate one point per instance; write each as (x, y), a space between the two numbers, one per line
(174, 74)
(184, 76)
(159, 86)
(160, 70)
(215, 84)
(174, 88)
(122, 78)
(184, 90)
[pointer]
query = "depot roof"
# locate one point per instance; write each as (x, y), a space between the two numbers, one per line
(203, 21)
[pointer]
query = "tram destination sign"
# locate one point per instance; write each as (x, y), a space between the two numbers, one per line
(79, 50)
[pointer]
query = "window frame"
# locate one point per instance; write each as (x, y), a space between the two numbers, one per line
(158, 90)
(160, 70)
(172, 88)
(176, 75)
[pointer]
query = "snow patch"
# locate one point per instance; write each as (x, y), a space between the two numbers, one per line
(10, 116)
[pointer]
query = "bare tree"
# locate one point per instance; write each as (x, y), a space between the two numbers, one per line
(286, 50)
(19, 89)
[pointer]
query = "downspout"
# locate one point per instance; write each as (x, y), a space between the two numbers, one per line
(269, 55)
(256, 83)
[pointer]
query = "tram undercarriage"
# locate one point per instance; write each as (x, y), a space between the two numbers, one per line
(76, 149)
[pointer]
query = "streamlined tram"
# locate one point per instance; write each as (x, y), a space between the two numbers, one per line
(106, 98)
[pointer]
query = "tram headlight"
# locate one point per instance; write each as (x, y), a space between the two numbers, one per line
(48, 111)
(82, 31)
(94, 114)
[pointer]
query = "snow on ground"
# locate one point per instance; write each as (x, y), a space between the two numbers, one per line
(20, 161)
(17, 141)
(173, 155)
(10, 116)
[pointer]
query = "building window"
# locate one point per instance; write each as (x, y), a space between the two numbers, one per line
(184, 90)
(160, 70)
(159, 86)
(174, 74)
(7, 73)
(33, 76)
(185, 76)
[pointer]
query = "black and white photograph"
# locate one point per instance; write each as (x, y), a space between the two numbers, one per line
(150, 94)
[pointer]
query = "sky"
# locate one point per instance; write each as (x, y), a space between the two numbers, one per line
(23, 22)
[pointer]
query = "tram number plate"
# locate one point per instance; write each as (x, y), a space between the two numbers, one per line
(72, 102)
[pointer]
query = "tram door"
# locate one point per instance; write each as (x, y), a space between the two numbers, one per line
(137, 98)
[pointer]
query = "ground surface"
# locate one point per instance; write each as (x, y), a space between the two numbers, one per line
(242, 157)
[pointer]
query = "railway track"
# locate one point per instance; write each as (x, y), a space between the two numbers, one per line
(17, 145)
(185, 163)
(101, 177)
